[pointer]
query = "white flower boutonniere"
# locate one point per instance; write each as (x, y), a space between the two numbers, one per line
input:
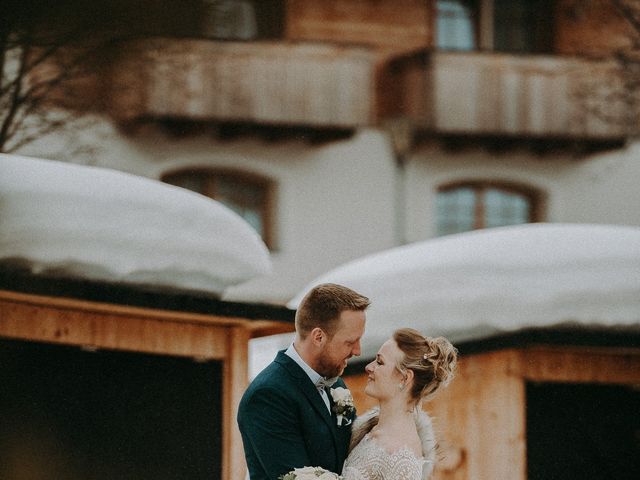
(310, 473)
(342, 404)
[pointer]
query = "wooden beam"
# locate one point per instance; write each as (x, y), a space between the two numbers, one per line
(236, 380)
(581, 365)
(87, 324)
(263, 328)
(72, 304)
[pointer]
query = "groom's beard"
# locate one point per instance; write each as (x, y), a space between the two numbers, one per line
(328, 368)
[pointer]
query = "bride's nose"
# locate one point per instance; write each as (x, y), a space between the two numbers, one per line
(369, 367)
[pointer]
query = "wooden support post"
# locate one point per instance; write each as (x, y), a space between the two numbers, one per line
(235, 382)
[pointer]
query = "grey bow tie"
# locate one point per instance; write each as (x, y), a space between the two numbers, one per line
(325, 382)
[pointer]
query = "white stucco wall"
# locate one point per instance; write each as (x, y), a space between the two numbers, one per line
(601, 188)
(339, 201)
(604, 189)
(432, 166)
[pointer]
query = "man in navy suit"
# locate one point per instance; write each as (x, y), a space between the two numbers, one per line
(286, 416)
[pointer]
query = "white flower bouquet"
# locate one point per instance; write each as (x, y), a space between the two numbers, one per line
(310, 473)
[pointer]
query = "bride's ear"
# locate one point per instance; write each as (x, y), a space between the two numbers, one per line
(409, 376)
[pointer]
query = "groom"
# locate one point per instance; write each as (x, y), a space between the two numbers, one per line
(285, 416)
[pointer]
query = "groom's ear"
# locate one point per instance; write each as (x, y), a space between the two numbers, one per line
(318, 336)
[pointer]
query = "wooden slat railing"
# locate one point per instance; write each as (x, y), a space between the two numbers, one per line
(272, 83)
(494, 94)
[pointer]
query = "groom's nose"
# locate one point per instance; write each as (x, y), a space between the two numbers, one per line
(356, 349)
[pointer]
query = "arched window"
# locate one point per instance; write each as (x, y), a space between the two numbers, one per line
(249, 195)
(474, 205)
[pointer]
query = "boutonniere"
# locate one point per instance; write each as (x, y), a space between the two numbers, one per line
(342, 404)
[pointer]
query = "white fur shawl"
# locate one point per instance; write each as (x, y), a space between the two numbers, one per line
(364, 423)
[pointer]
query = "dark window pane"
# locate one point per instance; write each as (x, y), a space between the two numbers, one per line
(239, 191)
(243, 19)
(524, 26)
(505, 208)
(245, 196)
(455, 210)
(193, 182)
(455, 25)
(229, 19)
(466, 207)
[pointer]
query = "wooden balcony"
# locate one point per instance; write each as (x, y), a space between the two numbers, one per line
(490, 94)
(346, 87)
(297, 84)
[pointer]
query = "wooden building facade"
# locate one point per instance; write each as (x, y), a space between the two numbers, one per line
(344, 64)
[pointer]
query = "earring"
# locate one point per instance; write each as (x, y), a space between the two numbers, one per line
(401, 386)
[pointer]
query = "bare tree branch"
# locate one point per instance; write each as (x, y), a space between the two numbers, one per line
(46, 50)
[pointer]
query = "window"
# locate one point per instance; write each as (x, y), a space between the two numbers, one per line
(234, 20)
(250, 196)
(230, 19)
(523, 26)
(514, 26)
(456, 25)
(242, 19)
(471, 206)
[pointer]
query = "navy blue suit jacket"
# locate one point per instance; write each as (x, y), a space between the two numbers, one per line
(285, 424)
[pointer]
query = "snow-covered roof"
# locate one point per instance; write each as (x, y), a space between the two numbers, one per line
(100, 224)
(473, 285)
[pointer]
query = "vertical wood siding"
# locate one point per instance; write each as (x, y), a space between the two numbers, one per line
(524, 95)
(273, 83)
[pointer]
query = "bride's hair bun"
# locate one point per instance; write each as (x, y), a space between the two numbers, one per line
(432, 360)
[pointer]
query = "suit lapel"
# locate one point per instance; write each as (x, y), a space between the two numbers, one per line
(310, 391)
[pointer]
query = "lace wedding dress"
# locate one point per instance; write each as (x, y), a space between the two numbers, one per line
(368, 460)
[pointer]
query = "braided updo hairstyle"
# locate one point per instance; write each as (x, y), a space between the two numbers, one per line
(432, 360)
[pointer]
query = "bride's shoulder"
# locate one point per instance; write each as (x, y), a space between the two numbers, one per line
(363, 425)
(367, 417)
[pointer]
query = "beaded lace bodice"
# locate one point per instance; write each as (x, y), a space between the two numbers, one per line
(370, 461)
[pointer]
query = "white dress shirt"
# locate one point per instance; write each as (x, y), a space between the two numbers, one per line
(313, 375)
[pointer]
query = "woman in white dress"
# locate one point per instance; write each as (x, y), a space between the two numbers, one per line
(395, 441)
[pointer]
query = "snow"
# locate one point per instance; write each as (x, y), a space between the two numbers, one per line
(474, 285)
(106, 225)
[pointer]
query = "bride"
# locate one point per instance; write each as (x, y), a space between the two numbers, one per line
(395, 440)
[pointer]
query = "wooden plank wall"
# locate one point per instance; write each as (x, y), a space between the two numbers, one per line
(594, 28)
(480, 420)
(475, 93)
(275, 83)
(391, 26)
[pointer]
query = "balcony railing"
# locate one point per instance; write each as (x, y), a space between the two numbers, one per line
(273, 83)
(531, 96)
(333, 86)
